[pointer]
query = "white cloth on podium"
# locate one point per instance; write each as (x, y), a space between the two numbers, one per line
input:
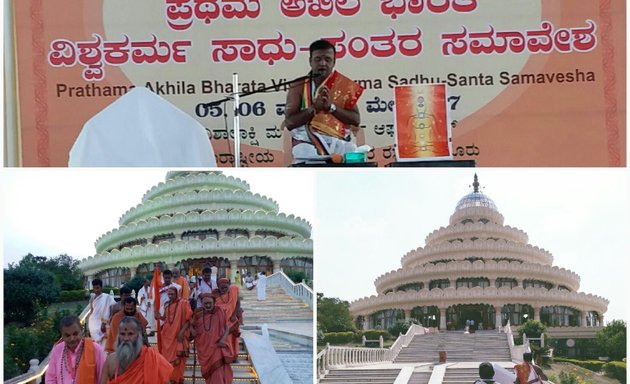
(142, 129)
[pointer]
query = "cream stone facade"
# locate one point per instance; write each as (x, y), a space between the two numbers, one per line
(479, 269)
(198, 219)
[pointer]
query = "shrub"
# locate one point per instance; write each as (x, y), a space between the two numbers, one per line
(338, 338)
(374, 334)
(617, 370)
(296, 276)
(74, 295)
(592, 365)
(401, 327)
(31, 342)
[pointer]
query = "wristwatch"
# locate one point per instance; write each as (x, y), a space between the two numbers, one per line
(332, 108)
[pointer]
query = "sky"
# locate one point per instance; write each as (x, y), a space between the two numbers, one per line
(49, 212)
(372, 219)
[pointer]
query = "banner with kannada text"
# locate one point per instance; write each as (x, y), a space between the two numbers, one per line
(528, 83)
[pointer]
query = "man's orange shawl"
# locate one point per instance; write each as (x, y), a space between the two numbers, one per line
(86, 372)
(523, 371)
(185, 288)
(344, 93)
(212, 358)
(227, 303)
(150, 368)
(178, 312)
(112, 334)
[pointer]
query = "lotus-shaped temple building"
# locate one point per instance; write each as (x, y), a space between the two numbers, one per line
(479, 269)
(196, 219)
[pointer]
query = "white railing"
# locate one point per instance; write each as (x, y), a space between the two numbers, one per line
(299, 291)
(334, 357)
(516, 351)
(404, 340)
(37, 370)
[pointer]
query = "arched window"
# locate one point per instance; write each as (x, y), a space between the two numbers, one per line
(506, 282)
(470, 282)
(410, 287)
(560, 316)
(440, 283)
(537, 284)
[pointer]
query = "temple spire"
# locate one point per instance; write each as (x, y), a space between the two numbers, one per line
(476, 184)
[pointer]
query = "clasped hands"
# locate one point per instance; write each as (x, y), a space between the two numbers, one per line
(322, 101)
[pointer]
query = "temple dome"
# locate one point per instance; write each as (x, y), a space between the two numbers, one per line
(475, 199)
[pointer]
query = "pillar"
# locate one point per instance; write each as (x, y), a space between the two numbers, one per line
(89, 281)
(276, 266)
(407, 314)
(493, 282)
(443, 318)
(498, 319)
(537, 313)
(132, 273)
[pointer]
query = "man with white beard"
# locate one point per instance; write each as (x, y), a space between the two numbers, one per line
(134, 362)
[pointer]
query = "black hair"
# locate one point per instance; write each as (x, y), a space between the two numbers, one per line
(167, 272)
(68, 321)
(486, 371)
(207, 270)
(320, 44)
(98, 282)
(130, 300)
(125, 289)
(527, 356)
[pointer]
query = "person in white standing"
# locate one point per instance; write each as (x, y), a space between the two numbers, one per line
(99, 312)
(261, 287)
(145, 298)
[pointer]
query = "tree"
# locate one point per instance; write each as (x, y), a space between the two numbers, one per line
(64, 268)
(401, 327)
(333, 314)
(612, 339)
(534, 329)
(25, 289)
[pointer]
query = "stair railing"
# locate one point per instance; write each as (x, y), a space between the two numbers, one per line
(37, 370)
(404, 340)
(334, 357)
(299, 291)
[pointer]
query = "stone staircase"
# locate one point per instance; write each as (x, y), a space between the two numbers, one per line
(243, 369)
(478, 346)
(278, 306)
(372, 376)
(420, 378)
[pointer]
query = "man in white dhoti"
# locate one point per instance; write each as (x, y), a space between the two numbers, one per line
(145, 298)
(99, 312)
(261, 287)
(214, 273)
(167, 276)
(205, 284)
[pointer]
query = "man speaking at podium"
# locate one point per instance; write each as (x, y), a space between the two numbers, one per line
(320, 109)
